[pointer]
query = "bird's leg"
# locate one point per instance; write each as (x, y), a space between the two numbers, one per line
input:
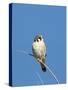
(40, 61)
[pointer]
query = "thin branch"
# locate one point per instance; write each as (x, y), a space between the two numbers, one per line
(41, 63)
(40, 78)
(49, 70)
(22, 51)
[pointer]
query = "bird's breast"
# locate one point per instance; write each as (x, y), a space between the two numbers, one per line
(39, 48)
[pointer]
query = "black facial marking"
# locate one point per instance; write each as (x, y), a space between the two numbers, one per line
(40, 38)
(37, 38)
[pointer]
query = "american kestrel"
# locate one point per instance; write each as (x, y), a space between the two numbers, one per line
(39, 50)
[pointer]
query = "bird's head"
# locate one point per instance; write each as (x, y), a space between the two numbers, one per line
(38, 38)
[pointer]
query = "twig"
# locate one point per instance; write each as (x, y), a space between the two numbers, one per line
(22, 51)
(49, 70)
(41, 63)
(40, 78)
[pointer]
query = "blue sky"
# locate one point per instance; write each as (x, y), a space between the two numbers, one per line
(27, 21)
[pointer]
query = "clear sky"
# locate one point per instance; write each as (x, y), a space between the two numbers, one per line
(27, 21)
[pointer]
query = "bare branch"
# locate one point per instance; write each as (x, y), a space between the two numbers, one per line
(49, 70)
(40, 78)
(22, 51)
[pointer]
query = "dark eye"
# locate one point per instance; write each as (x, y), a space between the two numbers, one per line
(40, 38)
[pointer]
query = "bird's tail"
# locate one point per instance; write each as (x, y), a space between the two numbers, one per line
(43, 67)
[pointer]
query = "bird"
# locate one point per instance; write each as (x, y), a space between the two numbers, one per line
(39, 50)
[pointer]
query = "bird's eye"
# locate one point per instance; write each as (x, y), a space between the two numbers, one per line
(40, 38)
